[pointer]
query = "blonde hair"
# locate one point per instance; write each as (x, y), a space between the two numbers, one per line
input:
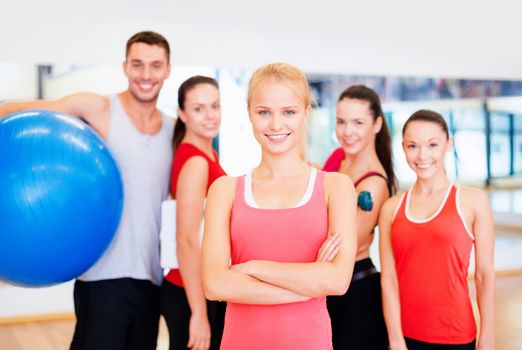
(290, 76)
(285, 73)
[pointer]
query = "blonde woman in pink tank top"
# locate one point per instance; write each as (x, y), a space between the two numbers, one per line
(280, 239)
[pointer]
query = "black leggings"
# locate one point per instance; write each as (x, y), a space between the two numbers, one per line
(176, 311)
(413, 344)
(357, 318)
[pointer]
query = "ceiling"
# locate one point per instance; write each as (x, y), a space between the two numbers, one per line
(452, 39)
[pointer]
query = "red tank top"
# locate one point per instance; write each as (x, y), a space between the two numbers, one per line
(184, 152)
(432, 259)
(286, 235)
(333, 163)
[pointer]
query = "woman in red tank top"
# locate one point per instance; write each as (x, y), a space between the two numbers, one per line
(271, 252)
(426, 237)
(192, 321)
(365, 156)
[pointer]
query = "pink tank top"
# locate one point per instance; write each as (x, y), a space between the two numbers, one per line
(285, 235)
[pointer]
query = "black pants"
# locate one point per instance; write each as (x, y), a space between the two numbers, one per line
(176, 310)
(413, 344)
(357, 318)
(116, 314)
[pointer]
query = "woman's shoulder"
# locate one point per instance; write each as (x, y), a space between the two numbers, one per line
(335, 178)
(372, 181)
(471, 190)
(225, 182)
(473, 196)
(224, 187)
(390, 205)
(338, 183)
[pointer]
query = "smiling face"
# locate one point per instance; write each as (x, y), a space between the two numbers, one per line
(202, 111)
(425, 145)
(356, 127)
(278, 114)
(146, 68)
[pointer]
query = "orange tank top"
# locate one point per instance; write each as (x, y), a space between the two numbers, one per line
(432, 259)
(285, 235)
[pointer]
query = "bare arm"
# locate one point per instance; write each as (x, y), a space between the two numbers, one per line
(390, 287)
(220, 282)
(319, 278)
(91, 107)
(483, 230)
(367, 220)
(190, 198)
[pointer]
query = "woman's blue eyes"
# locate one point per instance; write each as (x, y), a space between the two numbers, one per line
(285, 113)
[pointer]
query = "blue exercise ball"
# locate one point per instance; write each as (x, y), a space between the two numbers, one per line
(61, 197)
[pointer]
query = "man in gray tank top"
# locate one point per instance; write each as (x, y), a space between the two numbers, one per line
(117, 299)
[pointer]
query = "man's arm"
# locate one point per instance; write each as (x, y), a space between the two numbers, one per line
(93, 108)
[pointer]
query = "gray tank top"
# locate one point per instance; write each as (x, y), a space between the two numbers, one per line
(144, 163)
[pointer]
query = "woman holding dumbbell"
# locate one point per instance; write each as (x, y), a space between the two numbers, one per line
(365, 156)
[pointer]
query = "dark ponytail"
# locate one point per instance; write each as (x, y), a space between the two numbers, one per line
(180, 129)
(383, 145)
(179, 133)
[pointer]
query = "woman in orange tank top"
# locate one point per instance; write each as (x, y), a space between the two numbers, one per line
(426, 237)
(280, 239)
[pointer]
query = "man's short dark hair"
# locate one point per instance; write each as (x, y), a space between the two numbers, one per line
(149, 38)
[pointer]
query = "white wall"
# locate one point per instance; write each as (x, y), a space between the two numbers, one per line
(239, 151)
(18, 81)
(468, 39)
(21, 301)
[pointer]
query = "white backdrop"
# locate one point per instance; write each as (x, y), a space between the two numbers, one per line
(445, 38)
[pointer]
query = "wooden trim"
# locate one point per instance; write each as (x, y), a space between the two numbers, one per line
(504, 273)
(62, 316)
(507, 227)
(501, 273)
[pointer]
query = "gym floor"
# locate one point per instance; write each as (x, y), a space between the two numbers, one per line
(56, 335)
